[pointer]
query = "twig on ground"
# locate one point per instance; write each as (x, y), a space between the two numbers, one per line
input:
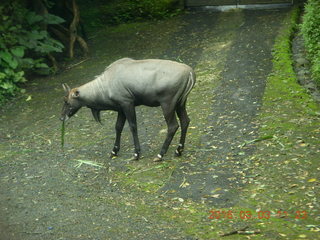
(76, 64)
(91, 163)
(240, 231)
(256, 140)
(183, 182)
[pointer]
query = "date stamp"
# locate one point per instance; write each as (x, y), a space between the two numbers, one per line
(247, 214)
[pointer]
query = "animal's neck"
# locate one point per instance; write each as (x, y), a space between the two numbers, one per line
(95, 94)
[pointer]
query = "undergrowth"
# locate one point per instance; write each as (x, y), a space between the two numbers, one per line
(123, 11)
(24, 45)
(310, 29)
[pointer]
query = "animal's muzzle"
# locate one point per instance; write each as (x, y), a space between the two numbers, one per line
(64, 118)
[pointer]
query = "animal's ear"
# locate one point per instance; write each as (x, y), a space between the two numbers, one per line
(66, 88)
(75, 93)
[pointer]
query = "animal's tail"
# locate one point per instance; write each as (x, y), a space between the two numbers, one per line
(190, 84)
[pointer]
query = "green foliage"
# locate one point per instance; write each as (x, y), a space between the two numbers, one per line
(23, 45)
(310, 29)
(122, 11)
(282, 83)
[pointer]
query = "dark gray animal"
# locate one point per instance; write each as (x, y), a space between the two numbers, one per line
(127, 83)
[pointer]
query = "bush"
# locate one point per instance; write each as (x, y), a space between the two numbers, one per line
(122, 11)
(310, 29)
(24, 43)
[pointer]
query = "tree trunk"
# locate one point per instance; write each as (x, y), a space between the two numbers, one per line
(67, 35)
(73, 31)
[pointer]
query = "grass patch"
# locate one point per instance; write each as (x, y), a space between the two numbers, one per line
(286, 167)
(145, 176)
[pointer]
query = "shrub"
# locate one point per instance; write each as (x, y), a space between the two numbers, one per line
(310, 29)
(24, 43)
(121, 11)
(132, 10)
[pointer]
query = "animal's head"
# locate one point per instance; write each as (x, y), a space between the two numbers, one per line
(71, 102)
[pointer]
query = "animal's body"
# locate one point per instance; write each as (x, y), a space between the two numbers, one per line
(127, 83)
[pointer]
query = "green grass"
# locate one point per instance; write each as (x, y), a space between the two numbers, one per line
(286, 166)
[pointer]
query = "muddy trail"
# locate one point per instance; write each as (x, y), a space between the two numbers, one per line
(52, 193)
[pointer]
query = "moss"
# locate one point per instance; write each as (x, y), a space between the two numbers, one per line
(285, 164)
(282, 85)
(189, 217)
(146, 179)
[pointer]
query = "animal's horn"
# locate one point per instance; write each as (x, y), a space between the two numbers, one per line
(66, 87)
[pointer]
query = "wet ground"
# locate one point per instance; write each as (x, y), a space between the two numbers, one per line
(51, 193)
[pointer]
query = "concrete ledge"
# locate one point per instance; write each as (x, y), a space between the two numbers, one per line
(223, 8)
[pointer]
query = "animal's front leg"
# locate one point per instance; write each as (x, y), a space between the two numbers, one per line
(121, 119)
(130, 113)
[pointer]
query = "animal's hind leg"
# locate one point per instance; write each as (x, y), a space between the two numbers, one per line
(172, 123)
(184, 123)
(121, 119)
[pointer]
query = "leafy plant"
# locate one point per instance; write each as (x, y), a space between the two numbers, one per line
(310, 29)
(121, 11)
(24, 44)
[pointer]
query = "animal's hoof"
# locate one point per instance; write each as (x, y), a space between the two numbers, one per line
(179, 150)
(178, 153)
(113, 154)
(159, 158)
(136, 156)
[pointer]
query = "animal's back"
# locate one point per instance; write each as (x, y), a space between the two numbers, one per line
(148, 81)
(157, 72)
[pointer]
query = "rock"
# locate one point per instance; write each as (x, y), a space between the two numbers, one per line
(311, 86)
(303, 72)
(302, 62)
(316, 96)
(299, 55)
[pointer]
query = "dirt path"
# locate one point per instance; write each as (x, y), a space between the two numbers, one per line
(236, 102)
(46, 194)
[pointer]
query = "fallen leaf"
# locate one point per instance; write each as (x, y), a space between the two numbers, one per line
(215, 195)
(186, 184)
(215, 190)
(253, 195)
(312, 180)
